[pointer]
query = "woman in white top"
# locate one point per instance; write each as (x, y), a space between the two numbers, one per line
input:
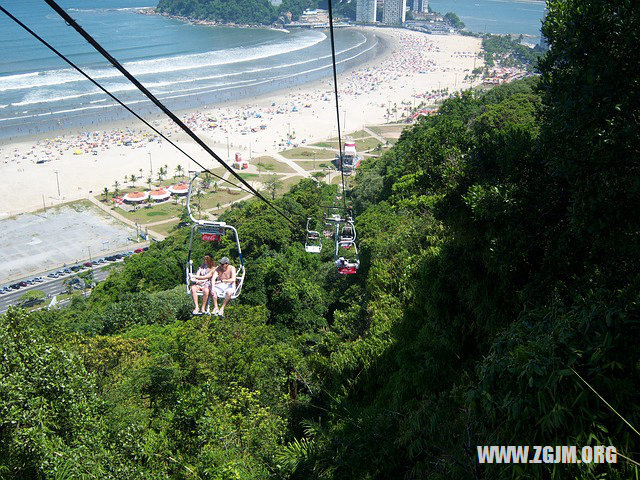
(202, 281)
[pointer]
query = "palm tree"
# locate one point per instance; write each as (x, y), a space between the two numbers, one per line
(116, 188)
(140, 173)
(206, 181)
(132, 179)
(179, 171)
(105, 192)
(149, 182)
(199, 197)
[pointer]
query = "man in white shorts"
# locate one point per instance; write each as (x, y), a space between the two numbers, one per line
(224, 286)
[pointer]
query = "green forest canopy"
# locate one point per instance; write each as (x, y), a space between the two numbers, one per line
(260, 12)
(500, 251)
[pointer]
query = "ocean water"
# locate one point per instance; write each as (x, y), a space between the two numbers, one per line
(184, 65)
(496, 16)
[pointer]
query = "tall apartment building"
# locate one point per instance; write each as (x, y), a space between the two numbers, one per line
(394, 12)
(420, 6)
(366, 11)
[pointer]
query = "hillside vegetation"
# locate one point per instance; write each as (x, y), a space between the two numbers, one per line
(260, 12)
(500, 248)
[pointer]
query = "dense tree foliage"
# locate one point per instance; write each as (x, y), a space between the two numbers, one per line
(499, 260)
(510, 52)
(254, 12)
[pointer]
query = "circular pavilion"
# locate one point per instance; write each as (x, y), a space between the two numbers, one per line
(134, 198)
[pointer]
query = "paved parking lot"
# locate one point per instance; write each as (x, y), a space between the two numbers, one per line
(32, 243)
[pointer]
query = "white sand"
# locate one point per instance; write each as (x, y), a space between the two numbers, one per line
(413, 66)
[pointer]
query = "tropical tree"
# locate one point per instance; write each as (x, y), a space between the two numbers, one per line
(116, 188)
(105, 193)
(179, 171)
(273, 184)
(132, 179)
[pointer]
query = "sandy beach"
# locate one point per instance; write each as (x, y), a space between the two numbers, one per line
(410, 70)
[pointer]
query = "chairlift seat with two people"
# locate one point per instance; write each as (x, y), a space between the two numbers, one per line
(212, 231)
(347, 266)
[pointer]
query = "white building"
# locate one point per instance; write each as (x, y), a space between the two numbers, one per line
(394, 12)
(366, 11)
(420, 6)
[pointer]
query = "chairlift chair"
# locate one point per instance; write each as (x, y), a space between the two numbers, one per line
(313, 242)
(211, 231)
(347, 266)
(348, 232)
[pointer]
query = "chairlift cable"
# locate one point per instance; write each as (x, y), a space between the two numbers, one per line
(83, 73)
(71, 22)
(335, 87)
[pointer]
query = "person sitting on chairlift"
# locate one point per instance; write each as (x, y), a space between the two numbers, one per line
(341, 263)
(224, 286)
(203, 279)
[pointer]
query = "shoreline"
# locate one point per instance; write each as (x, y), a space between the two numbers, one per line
(409, 68)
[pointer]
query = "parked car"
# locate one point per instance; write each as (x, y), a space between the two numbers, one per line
(67, 270)
(39, 279)
(23, 284)
(88, 264)
(52, 275)
(138, 250)
(14, 286)
(145, 248)
(118, 256)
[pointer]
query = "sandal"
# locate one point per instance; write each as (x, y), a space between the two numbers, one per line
(196, 312)
(215, 312)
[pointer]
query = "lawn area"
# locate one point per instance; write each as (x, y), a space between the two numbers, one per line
(270, 164)
(288, 183)
(367, 144)
(221, 197)
(361, 145)
(359, 134)
(389, 131)
(308, 165)
(155, 213)
(307, 153)
(165, 228)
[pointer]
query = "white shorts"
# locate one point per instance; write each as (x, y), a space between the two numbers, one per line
(221, 289)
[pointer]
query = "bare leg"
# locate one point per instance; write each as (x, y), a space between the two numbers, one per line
(194, 292)
(205, 297)
(227, 297)
(214, 294)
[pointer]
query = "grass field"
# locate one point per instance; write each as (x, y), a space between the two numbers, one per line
(165, 228)
(270, 164)
(288, 183)
(154, 213)
(307, 153)
(308, 165)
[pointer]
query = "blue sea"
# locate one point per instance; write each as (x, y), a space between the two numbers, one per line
(496, 16)
(183, 64)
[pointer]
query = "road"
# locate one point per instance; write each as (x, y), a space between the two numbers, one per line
(51, 286)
